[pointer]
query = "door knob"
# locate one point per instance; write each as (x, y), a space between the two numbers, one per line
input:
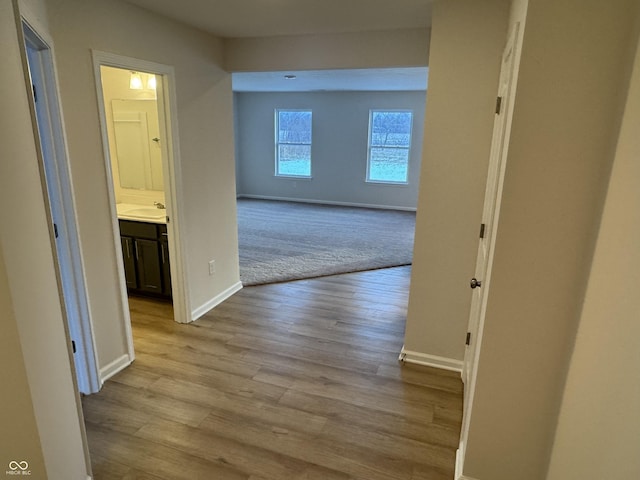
(475, 283)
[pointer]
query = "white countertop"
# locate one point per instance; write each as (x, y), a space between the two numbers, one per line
(141, 213)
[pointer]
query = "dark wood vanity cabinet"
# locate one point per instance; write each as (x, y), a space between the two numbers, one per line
(164, 260)
(146, 258)
(129, 262)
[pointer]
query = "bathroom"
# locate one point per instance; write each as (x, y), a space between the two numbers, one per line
(133, 123)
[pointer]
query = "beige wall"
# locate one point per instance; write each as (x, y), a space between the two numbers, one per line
(390, 48)
(19, 440)
(204, 113)
(570, 94)
(33, 329)
(599, 427)
(467, 40)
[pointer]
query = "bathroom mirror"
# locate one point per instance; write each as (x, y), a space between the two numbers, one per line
(137, 144)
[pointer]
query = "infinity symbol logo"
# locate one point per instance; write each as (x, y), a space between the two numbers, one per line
(23, 465)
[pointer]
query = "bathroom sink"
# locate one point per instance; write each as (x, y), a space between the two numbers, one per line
(141, 212)
(146, 212)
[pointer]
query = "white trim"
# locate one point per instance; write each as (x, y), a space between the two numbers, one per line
(458, 471)
(62, 204)
(514, 43)
(327, 202)
(435, 361)
(114, 367)
(25, 19)
(168, 100)
(173, 183)
(215, 301)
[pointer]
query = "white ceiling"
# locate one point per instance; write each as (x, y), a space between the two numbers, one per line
(258, 18)
(261, 18)
(380, 79)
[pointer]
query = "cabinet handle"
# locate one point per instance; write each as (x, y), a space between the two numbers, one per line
(135, 248)
(127, 242)
(162, 250)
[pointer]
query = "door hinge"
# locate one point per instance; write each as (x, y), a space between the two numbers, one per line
(55, 230)
(482, 226)
(468, 341)
(498, 105)
(35, 93)
(73, 345)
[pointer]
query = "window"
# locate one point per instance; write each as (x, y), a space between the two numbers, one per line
(389, 145)
(293, 143)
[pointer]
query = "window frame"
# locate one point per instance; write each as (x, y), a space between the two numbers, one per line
(278, 143)
(370, 146)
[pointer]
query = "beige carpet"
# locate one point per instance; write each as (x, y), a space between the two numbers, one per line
(281, 241)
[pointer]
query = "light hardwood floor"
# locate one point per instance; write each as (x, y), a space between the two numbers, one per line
(287, 381)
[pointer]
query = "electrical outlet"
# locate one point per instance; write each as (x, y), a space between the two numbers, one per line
(212, 267)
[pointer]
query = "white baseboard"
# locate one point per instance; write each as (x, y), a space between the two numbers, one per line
(328, 202)
(217, 300)
(114, 367)
(430, 360)
(459, 459)
(458, 471)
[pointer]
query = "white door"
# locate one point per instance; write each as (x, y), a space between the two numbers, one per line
(62, 208)
(138, 148)
(487, 229)
(480, 282)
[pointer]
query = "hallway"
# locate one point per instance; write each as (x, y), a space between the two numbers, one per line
(296, 380)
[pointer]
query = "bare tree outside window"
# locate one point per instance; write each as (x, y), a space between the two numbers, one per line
(389, 146)
(293, 143)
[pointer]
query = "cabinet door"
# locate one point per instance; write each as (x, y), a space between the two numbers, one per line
(149, 269)
(166, 270)
(129, 262)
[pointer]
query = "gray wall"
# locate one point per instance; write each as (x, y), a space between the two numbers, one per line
(339, 150)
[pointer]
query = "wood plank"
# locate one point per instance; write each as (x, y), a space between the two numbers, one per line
(215, 447)
(421, 428)
(140, 399)
(298, 380)
(276, 414)
(198, 375)
(425, 376)
(156, 459)
(390, 445)
(351, 459)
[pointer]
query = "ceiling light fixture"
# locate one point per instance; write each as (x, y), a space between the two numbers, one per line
(151, 82)
(135, 82)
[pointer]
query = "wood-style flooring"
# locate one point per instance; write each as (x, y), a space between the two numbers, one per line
(292, 381)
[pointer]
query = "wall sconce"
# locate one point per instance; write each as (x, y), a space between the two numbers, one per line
(135, 82)
(151, 82)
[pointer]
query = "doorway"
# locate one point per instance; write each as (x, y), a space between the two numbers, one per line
(58, 191)
(136, 100)
(480, 283)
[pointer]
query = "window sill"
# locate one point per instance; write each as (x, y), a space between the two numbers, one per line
(293, 177)
(381, 182)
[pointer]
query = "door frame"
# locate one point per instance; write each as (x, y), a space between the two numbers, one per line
(69, 270)
(172, 172)
(494, 187)
(59, 196)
